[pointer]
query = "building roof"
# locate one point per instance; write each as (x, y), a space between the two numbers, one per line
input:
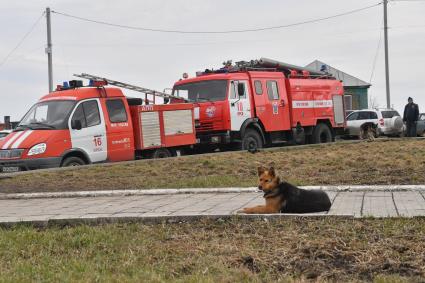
(348, 80)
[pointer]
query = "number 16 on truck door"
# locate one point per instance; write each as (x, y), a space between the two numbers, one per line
(97, 140)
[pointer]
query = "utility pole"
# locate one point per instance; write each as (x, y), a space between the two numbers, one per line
(49, 49)
(387, 68)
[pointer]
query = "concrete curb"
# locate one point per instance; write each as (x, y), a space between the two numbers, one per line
(105, 193)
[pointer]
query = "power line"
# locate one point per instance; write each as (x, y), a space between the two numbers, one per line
(26, 53)
(376, 57)
(22, 40)
(407, 0)
(217, 32)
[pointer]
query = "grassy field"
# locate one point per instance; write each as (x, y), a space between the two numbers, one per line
(286, 249)
(380, 162)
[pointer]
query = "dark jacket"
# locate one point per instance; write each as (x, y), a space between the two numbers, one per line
(411, 112)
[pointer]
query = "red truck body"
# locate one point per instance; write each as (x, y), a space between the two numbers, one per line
(163, 126)
(272, 107)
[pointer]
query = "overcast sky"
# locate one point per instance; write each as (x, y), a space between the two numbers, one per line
(157, 60)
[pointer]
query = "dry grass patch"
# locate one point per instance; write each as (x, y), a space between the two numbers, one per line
(400, 161)
(285, 249)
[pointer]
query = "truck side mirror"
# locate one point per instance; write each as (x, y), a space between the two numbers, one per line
(76, 125)
(241, 89)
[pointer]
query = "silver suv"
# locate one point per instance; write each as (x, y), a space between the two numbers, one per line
(381, 121)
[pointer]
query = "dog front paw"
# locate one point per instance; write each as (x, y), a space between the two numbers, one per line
(243, 210)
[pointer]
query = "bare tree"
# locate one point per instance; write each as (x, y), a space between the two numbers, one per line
(373, 102)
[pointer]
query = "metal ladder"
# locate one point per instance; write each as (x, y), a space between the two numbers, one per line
(144, 90)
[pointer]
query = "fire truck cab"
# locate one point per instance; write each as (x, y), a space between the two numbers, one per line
(258, 107)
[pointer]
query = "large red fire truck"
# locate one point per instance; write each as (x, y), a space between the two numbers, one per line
(263, 102)
(78, 125)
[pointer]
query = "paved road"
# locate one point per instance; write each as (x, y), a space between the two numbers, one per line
(357, 204)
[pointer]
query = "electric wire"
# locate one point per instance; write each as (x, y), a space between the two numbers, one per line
(216, 32)
(22, 40)
(376, 57)
(407, 0)
(25, 53)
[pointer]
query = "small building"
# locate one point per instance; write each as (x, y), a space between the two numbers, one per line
(355, 90)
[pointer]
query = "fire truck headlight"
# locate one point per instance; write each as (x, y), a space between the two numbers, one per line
(37, 149)
(215, 139)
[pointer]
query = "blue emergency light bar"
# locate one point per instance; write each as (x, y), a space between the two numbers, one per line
(79, 83)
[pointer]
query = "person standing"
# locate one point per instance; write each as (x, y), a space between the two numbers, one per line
(410, 117)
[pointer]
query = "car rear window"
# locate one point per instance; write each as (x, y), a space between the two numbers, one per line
(389, 114)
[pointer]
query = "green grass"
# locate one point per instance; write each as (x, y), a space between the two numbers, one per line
(286, 249)
(400, 161)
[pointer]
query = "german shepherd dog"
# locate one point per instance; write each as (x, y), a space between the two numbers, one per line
(286, 198)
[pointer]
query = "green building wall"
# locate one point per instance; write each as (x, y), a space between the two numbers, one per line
(359, 97)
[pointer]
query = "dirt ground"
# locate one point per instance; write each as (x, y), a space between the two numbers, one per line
(398, 161)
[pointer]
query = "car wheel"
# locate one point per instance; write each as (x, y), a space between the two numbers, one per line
(72, 161)
(396, 123)
(322, 134)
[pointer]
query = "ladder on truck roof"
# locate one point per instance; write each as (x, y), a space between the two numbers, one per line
(144, 90)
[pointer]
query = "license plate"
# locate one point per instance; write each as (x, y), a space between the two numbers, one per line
(10, 169)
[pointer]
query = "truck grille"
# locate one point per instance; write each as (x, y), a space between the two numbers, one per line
(210, 125)
(205, 126)
(11, 153)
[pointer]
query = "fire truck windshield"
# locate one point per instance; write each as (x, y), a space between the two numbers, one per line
(47, 115)
(214, 90)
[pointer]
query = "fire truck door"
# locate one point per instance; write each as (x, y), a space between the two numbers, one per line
(91, 138)
(276, 115)
(240, 105)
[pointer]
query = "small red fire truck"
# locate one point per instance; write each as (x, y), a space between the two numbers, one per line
(263, 102)
(78, 125)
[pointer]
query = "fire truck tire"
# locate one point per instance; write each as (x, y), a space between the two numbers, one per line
(161, 153)
(251, 140)
(322, 134)
(73, 161)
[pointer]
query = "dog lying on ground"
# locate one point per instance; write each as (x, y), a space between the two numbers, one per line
(286, 198)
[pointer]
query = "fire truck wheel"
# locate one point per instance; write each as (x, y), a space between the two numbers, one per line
(73, 161)
(322, 134)
(251, 140)
(161, 153)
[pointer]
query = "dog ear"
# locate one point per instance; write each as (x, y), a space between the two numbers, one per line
(261, 170)
(272, 172)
